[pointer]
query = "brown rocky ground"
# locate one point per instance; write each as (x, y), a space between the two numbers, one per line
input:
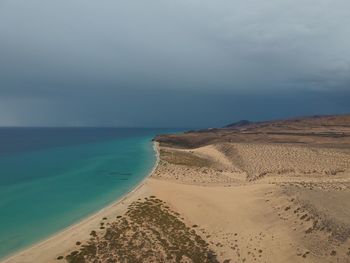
(317, 130)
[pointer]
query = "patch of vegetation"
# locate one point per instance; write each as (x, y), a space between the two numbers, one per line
(149, 232)
(183, 158)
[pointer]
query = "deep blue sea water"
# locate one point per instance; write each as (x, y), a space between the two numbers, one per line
(51, 178)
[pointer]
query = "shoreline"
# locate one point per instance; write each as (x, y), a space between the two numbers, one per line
(221, 193)
(87, 222)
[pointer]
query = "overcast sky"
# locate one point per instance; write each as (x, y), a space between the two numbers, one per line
(184, 63)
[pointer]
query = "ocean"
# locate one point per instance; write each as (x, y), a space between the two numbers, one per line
(50, 178)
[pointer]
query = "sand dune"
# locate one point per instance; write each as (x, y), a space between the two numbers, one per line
(278, 195)
(237, 221)
(259, 160)
(284, 203)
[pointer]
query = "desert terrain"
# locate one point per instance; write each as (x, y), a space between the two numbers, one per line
(263, 192)
(274, 191)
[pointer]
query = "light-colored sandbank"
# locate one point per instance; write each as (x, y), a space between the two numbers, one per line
(58, 244)
(236, 221)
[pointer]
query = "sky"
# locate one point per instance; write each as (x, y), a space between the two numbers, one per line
(162, 63)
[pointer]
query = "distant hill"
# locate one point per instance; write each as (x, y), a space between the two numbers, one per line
(330, 131)
(294, 123)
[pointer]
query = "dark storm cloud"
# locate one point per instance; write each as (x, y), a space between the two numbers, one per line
(171, 63)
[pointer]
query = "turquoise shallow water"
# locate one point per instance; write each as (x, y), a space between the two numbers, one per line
(46, 188)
